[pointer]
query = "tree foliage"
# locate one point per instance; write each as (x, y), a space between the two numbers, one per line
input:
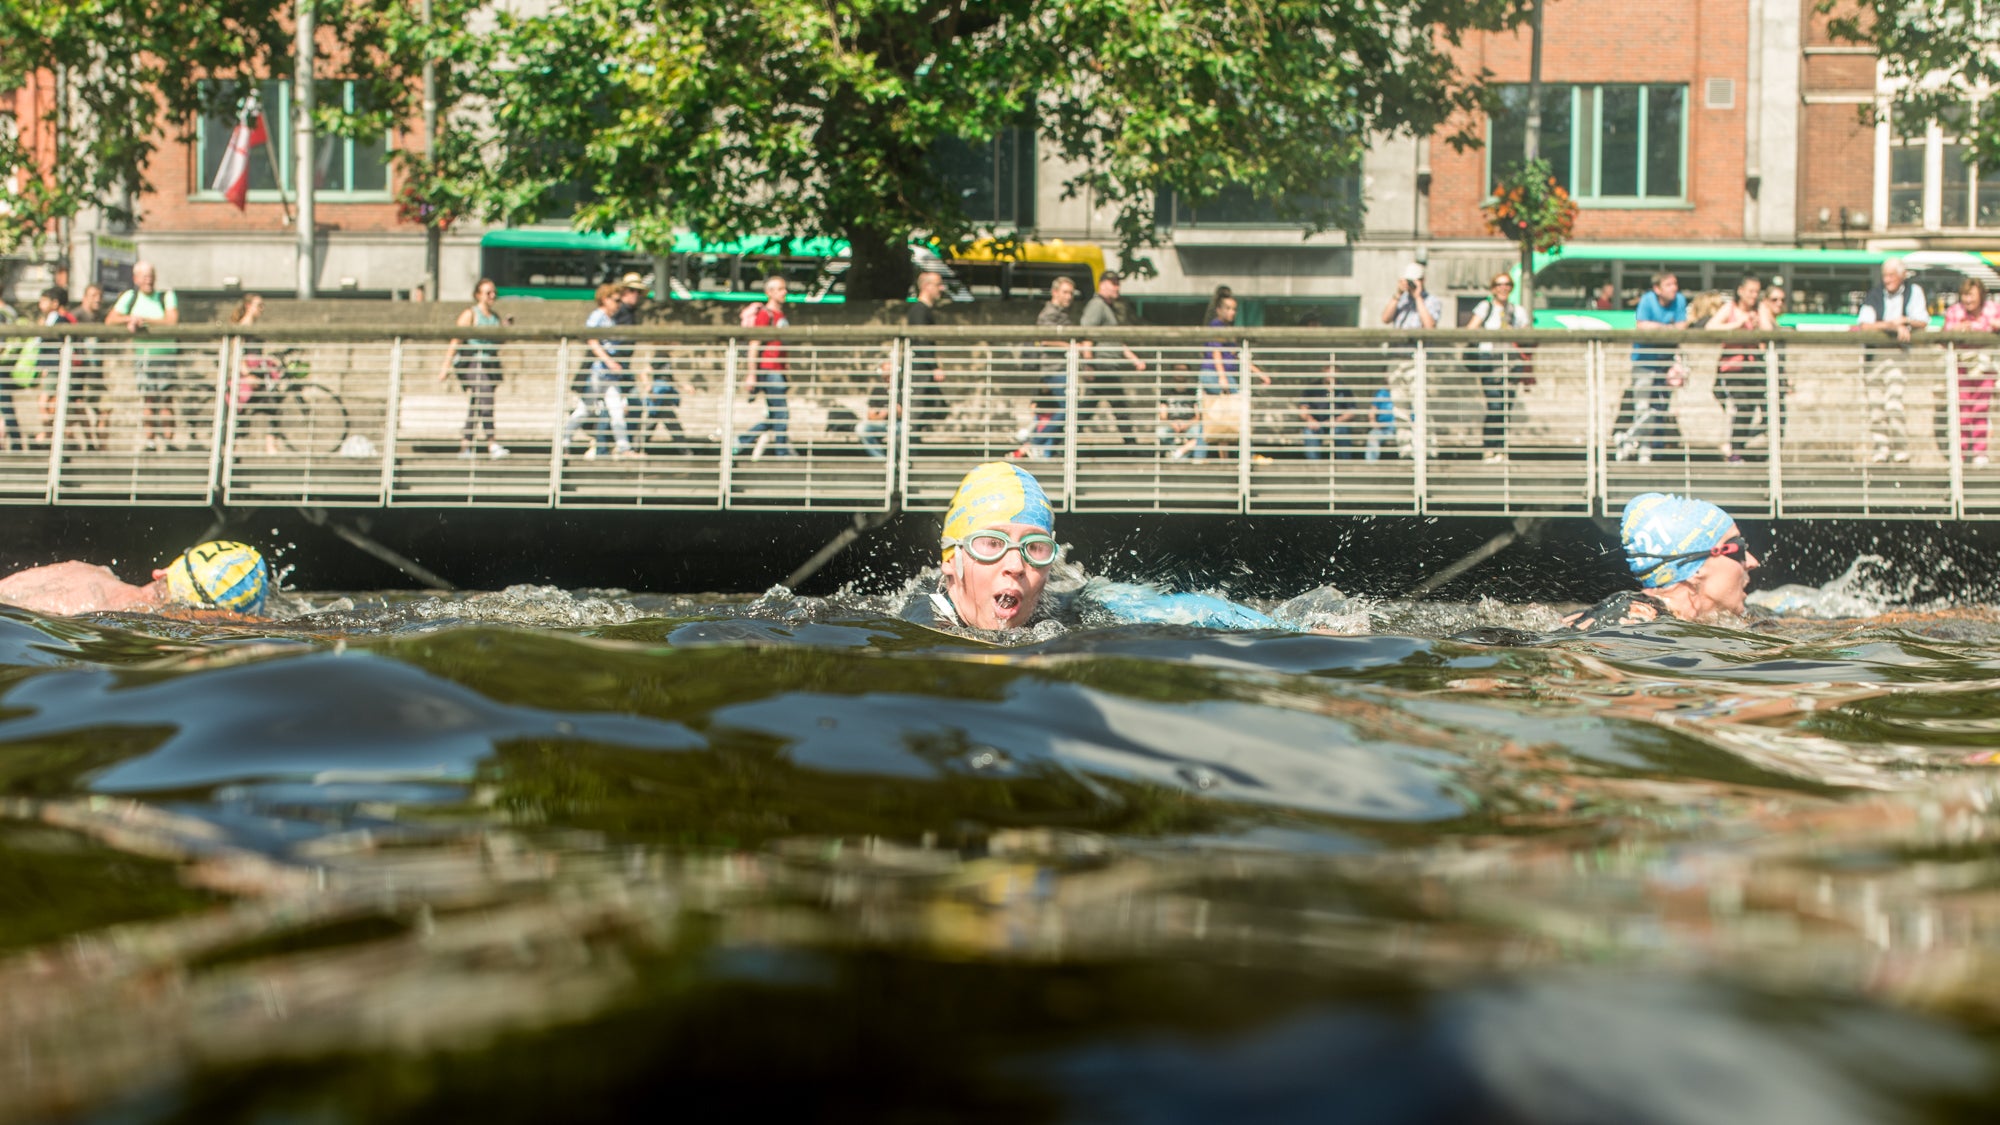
(814, 118)
(1944, 55)
(801, 118)
(142, 71)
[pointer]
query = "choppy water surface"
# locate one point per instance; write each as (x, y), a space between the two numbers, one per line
(534, 854)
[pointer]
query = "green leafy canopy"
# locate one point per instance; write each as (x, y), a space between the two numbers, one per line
(806, 118)
(1942, 55)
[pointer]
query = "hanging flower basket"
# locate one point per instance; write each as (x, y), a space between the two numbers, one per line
(1528, 199)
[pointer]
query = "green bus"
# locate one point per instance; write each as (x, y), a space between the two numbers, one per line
(1824, 287)
(567, 265)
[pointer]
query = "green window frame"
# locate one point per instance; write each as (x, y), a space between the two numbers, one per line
(1641, 127)
(356, 171)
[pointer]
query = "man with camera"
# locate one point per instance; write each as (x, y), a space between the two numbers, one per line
(1413, 307)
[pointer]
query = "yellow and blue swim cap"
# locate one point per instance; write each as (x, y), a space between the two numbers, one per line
(220, 574)
(1667, 538)
(993, 494)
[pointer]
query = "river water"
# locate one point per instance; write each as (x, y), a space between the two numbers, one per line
(544, 854)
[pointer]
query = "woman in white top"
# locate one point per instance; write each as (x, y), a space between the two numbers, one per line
(1497, 365)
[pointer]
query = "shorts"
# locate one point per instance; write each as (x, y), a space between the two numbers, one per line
(156, 374)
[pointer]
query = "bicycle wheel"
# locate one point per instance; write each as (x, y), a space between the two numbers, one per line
(311, 419)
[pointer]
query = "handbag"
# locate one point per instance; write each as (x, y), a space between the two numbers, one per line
(1222, 416)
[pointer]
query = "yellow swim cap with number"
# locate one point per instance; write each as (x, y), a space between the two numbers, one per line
(220, 574)
(993, 494)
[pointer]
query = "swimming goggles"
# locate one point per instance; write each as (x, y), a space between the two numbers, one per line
(1732, 546)
(1038, 548)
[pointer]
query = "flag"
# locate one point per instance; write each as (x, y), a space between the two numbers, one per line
(232, 179)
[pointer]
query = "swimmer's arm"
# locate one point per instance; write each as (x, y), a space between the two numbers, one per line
(67, 588)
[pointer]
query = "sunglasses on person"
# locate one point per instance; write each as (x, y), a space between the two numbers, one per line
(1038, 549)
(1503, 285)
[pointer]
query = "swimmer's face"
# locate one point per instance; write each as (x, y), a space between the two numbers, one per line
(1001, 594)
(1723, 581)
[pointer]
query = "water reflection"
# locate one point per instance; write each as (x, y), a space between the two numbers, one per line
(530, 851)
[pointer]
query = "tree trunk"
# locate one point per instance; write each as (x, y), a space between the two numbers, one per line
(880, 267)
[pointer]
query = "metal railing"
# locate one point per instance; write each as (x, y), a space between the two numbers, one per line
(860, 419)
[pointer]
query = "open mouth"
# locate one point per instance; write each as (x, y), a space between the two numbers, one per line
(1006, 604)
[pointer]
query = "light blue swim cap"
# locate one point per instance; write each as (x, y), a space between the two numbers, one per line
(1659, 528)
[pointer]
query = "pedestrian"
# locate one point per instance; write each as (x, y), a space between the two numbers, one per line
(1314, 399)
(259, 378)
(1606, 298)
(52, 309)
(927, 402)
(1111, 363)
(657, 400)
(1223, 407)
(877, 413)
(86, 374)
(1412, 307)
(1647, 403)
(1976, 311)
(155, 366)
(767, 371)
(1740, 376)
(604, 393)
(1896, 309)
(1051, 404)
(1498, 365)
(476, 362)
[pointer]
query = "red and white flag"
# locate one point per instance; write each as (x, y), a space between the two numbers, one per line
(232, 179)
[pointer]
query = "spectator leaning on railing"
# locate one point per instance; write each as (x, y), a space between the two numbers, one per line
(1974, 312)
(154, 365)
(1740, 384)
(1896, 308)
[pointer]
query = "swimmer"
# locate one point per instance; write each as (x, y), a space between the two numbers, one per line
(1690, 558)
(999, 545)
(218, 577)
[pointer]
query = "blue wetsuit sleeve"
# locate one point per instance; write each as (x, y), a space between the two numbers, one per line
(1143, 605)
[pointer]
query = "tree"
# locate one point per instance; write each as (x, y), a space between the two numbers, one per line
(809, 118)
(135, 67)
(1944, 55)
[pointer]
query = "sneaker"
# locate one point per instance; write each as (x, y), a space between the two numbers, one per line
(1645, 455)
(496, 451)
(1980, 459)
(1493, 456)
(1880, 456)
(1900, 456)
(465, 454)
(590, 454)
(626, 452)
(1736, 458)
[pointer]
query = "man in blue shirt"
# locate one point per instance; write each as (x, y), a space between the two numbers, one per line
(1648, 401)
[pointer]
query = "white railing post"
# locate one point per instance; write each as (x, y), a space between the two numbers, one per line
(391, 423)
(728, 443)
(220, 427)
(63, 367)
(558, 441)
(1955, 446)
(1420, 438)
(1244, 447)
(897, 439)
(1072, 371)
(1592, 406)
(1774, 413)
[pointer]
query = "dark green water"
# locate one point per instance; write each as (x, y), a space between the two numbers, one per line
(533, 855)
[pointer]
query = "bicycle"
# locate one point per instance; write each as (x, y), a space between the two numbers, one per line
(299, 415)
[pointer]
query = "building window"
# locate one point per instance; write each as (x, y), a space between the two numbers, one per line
(1611, 144)
(994, 180)
(344, 168)
(1237, 207)
(1931, 183)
